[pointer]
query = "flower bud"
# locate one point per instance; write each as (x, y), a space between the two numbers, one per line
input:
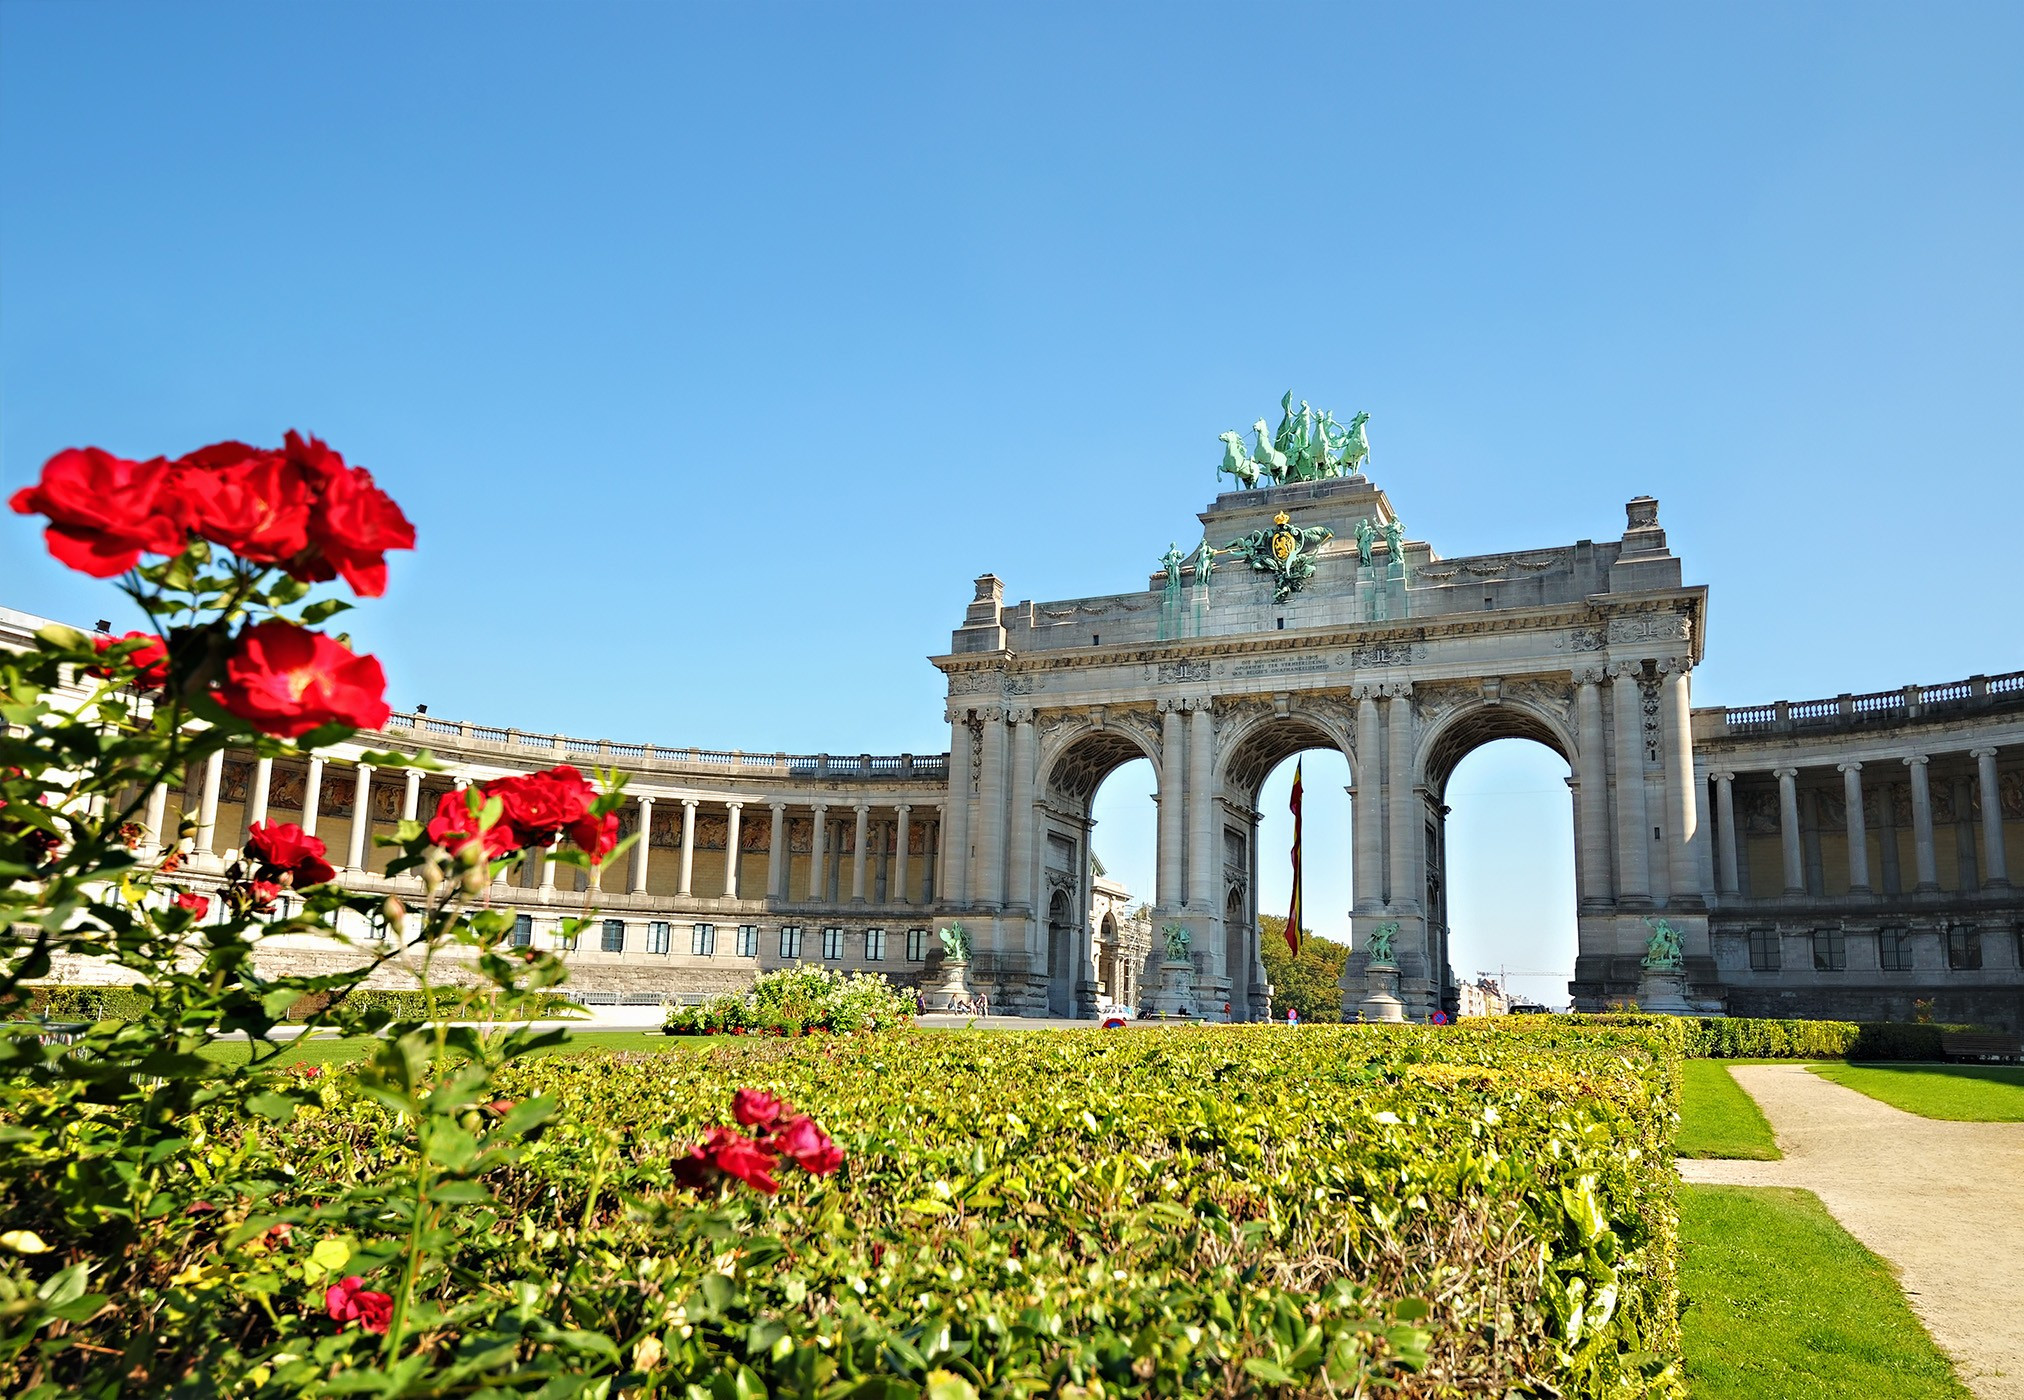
(471, 853)
(432, 876)
(475, 881)
(394, 910)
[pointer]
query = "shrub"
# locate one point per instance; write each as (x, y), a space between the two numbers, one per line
(1763, 1038)
(792, 999)
(123, 1003)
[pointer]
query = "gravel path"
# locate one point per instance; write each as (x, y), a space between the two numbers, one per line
(1943, 1202)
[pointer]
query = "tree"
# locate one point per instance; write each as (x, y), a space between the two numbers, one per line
(1310, 983)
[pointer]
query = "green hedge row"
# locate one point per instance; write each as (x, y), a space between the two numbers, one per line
(116, 1003)
(1213, 1211)
(1747, 1038)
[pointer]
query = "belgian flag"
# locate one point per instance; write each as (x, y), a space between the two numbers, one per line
(1293, 913)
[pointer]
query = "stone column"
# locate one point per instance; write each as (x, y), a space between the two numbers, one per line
(1788, 829)
(646, 831)
(1592, 789)
(1995, 870)
(857, 852)
(1725, 850)
(1173, 805)
(312, 796)
(956, 820)
(207, 803)
(263, 782)
(1682, 814)
(1922, 823)
(158, 812)
(1025, 759)
(732, 836)
(776, 854)
(411, 796)
(991, 812)
(688, 846)
(361, 818)
(547, 868)
(1633, 828)
(1401, 803)
(1202, 862)
(1858, 834)
(818, 856)
(901, 837)
(1367, 814)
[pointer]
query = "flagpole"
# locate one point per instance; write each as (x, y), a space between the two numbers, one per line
(1293, 909)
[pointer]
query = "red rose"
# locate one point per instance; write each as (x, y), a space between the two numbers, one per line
(755, 1108)
(257, 507)
(197, 904)
(595, 836)
(284, 847)
(455, 825)
(354, 523)
(542, 804)
(261, 894)
(729, 1152)
(286, 681)
(800, 1139)
(104, 511)
(148, 657)
(349, 1300)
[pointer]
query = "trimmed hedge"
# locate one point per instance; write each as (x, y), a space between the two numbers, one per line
(1214, 1211)
(791, 1000)
(1747, 1038)
(126, 1003)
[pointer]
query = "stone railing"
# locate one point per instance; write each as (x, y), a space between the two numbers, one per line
(464, 736)
(1975, 695)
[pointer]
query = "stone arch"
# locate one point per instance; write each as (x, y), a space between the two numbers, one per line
(1061, 959)
(1459, 732)
(1076, 763)
(1261, 743)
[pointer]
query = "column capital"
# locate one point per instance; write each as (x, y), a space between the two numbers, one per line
(363, 767)
(1365, 690)
(860, 806)
(1674, 665)
(734, 806)
(819, 806)
(1625, 670)
(692, 801)
(776, 804)
(904, 808)
(1917, 760)
(1723, 775)
(644, 799)
(1019, 714)
(1849, 767)
(990, 713)
(1982, 751)
(1589, 675)
(1784, 773)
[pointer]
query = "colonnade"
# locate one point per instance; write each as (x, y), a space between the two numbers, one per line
(1993, 868)
(878, 837)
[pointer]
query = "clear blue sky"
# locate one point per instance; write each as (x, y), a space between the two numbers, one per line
(714, 350)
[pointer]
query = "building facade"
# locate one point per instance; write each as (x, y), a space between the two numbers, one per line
(1859, 857)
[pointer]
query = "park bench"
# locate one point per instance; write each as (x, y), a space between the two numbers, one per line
(1976, 1045)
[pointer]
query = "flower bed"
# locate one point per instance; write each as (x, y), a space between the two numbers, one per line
(794, 1000)
(1207, 1211)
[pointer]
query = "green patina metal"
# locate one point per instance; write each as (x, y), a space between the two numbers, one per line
(1177, 942)
(955, 943)
(1284, 552)
(1662, 949)
(1307, 446)
(1380, 949)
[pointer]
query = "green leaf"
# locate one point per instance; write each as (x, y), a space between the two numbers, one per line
(66, 1286)
(268, 1104)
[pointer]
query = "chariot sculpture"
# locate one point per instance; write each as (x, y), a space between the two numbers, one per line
(1307, 446)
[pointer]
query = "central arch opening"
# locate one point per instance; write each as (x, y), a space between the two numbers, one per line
(1257, 792)
(1102, 864)
(1500, 860)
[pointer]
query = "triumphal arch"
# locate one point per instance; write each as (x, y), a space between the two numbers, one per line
(1307, 617)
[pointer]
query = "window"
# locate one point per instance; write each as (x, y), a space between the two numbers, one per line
(1830, 950)
(748, 940)
(874, 945)
(568, 940)
(1763, 950)
(614, 936)
(917, 945)
(832, 944)
(703, 940)
(1964, 948)
(790, 940)
(523, 931)
(659, 937)
(1894, 949)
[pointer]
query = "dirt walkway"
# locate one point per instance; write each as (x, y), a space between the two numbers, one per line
(1943, 1202)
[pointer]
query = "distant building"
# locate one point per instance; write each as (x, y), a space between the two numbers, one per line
(1483, 997)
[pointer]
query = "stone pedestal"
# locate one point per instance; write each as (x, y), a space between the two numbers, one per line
(1381, 1002)
(1174, 994)
(944, 982)
(1662, 991)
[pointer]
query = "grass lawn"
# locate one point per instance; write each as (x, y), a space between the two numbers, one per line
(1718, 1119)
(1782, 1302)
(325, 1050)
(1957, 1093)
